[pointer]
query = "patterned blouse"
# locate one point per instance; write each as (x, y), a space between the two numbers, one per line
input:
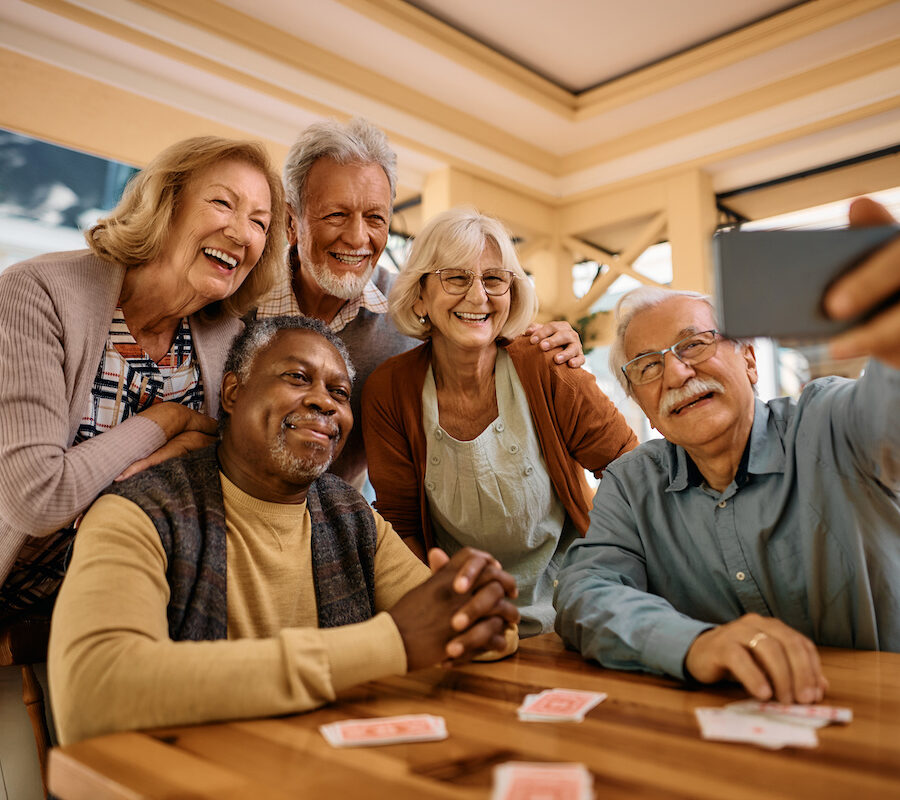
(129, 381)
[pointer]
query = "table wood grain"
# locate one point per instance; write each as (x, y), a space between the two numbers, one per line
(642, 742)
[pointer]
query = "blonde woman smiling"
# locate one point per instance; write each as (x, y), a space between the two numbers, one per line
(475, 437)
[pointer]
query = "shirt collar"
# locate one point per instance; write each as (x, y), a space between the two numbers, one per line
(766, 452)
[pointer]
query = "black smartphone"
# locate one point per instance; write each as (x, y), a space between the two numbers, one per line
(771, 283)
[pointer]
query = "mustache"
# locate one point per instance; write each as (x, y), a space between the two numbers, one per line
(324, 420)
(695, 387)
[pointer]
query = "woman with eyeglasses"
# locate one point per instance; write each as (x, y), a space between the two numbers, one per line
(475, 438)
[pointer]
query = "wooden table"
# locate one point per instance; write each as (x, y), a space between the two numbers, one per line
(642, 742)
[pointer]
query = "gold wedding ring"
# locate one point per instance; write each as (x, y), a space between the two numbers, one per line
(757, 638)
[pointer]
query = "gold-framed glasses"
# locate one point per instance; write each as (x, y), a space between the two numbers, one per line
(496, 282)
(690, 350)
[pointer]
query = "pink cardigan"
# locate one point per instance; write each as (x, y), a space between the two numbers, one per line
(577, 426)
(55, 311)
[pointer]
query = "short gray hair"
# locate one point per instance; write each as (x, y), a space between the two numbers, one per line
(627, 308)
(258, 335)
(356, 142)
(456, 238)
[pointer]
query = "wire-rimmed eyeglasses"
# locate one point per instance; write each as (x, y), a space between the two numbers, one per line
(496, 282)
(690, 350)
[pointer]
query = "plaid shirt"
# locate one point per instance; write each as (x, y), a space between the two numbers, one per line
(281, 301)
(127, 382)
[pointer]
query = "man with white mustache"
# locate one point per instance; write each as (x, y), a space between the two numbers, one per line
(753, 531)
(340, 182)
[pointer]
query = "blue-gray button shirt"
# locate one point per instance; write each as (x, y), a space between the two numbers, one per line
(808, 532)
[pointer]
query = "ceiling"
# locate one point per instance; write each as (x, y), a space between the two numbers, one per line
(557, 101)
(581, 44)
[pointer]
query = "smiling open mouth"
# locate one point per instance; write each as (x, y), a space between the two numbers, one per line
(693, 402)
(470, 317)
(350, 259)
(227, 261)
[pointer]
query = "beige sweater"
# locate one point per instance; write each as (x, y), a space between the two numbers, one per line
(55, 312)
(113, 667)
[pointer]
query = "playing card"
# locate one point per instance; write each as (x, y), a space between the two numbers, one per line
(522, 780)
(814, 716)
(725, 725)
(558, 705)
(384, 730)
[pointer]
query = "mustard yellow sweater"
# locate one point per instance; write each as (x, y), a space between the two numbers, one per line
(113, 667)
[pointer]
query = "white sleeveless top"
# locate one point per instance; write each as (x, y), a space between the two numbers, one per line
(494, 493)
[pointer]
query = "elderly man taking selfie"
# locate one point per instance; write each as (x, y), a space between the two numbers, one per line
(753, 531)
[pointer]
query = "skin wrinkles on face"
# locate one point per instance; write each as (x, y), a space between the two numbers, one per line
(289, 420)
(471, 321)
(720, 418)
(343, 228)
(218, 234)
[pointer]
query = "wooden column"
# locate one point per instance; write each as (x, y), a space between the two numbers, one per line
(691, 212)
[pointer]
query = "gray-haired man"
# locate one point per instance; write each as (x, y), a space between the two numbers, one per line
(753, 530)
(340, 183)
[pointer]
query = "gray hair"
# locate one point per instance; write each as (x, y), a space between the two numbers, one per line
(627, 308)
(258, 335)
(356, 142)
(456, 238)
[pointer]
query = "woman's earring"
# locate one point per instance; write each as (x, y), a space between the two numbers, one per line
(423, 320)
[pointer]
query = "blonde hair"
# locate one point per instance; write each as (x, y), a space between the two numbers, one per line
(456, 238)
(136, 230)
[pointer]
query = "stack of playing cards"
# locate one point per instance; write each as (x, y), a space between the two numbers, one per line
(559, 705)
(384, 730)
(771, 725)
(522, 780)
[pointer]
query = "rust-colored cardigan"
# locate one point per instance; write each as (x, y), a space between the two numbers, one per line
(577, 427)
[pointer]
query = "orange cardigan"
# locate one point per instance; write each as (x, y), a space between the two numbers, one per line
(577, 426)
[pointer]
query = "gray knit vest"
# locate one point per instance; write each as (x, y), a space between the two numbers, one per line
(183, 498)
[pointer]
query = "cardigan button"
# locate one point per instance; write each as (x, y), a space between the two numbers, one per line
(499, 427)
(438, 434)
(429, 485)
(529, 470)
(435, 459)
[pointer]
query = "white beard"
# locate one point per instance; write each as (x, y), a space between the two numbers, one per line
(299, 469)
(345, 287)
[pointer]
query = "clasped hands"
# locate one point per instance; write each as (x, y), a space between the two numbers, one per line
(462, 610)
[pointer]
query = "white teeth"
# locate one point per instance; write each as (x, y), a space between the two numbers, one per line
(473, 317)
(230, 260)
(350, 258)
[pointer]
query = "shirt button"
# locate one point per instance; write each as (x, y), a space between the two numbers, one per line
(723, 504)
(435, 460)
(429, 485)
(499, 427)
(529, 470)
(740, 576)
(514, 448)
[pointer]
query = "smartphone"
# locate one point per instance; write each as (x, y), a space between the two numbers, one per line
(771, 283)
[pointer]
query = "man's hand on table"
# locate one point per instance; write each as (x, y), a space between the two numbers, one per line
(558, 334)
(463, 609)
(866, 286)
(763, 654)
